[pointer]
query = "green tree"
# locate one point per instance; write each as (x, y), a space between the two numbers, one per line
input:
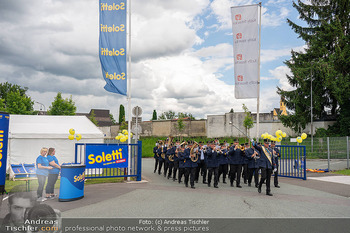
(180, 128)
(92, 117)
(154, 117)
(62, 106)
(169, 115)
(123, 125)
(325, 61)
(14, 99)
(185, 115)
(112, 119)
(248, 120)
(231, 111)
(121, 114)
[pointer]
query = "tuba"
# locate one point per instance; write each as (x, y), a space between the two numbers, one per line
(194, 155)
(171, 157)
(162, 154)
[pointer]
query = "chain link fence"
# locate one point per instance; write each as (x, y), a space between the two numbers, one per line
(328, 152)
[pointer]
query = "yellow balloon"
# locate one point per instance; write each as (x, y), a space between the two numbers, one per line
(126, 137)
(71, 137)
(279, 138)
(72, 131)
(125, 131)
(303, 136)
(278, 132)
(284, 134)
(299, 140)
(263, 136)
(123, 139)
(118, 137)
(78, 137)
(131, 134)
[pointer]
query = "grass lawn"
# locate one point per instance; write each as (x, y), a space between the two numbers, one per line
(343, 172)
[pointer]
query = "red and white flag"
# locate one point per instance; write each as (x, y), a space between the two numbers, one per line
(245, 28)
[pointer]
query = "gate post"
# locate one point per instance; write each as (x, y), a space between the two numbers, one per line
(139, 160)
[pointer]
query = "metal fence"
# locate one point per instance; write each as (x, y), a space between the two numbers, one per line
(134, 170)
(292, 162)
(328, 152)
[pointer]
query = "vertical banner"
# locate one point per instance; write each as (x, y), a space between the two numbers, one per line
(4, 129)
(245, 30)
(112, 45)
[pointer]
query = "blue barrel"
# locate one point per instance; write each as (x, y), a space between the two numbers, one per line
(72, 182)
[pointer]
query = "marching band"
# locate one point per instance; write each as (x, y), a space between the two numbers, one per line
(214, 160)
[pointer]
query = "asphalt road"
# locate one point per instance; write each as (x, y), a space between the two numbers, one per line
(160, 197)
(157, 196)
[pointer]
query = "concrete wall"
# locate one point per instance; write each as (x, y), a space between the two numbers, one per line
(164, 128)
(220, 126)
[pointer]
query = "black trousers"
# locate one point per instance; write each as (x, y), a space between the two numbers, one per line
(160, 166)
(214, 170)
(41, 181)
(51, 181)
(166, 166)
(155, 164)
(245, 172)
(190, 172)
(275, 179)
(201, 169)
(235, 173)
(181, 173)
(170, 169)
(223, 169)
(265, 175)
(255, 172)
(176, 166)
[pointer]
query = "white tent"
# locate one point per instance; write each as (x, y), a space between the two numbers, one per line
(29, 133)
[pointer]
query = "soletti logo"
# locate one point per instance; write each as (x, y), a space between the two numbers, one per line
(239, 36)
(240, 78)
(238, 17)
(239, 57)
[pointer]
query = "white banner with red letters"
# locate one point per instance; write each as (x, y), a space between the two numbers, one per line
(245, 28)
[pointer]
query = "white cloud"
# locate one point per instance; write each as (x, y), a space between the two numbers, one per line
(221, 10)
(280, 73)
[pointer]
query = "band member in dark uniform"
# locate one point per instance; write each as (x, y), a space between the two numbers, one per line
(266, 164)
(166, 159)
(176, 160)
(190, 166)
(223, 163)
(181, 158)
(276, 155)
(202, 164)
(170, 154)
(253, 165)
(213, 165)
(245, 165)
(160, 158)
(155, 156)
(235, 161)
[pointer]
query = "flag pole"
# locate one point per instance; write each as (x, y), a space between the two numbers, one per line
(129, 89)
(258, 98)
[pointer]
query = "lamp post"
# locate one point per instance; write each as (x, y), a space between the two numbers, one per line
(312, 128)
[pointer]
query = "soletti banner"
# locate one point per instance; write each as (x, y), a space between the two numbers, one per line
(112, 45)
(106, 156)
(245, 30)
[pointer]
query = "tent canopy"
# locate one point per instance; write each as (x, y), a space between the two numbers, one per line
(29, 133)
(35, 126)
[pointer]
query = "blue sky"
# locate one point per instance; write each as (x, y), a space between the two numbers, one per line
(182, 54)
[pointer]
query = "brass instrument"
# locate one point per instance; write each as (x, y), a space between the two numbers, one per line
(162, 154)
(171, 157)
(194, 156)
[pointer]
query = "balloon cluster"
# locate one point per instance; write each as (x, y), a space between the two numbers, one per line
(71, 135)
(301, 138)
(123, 136)
(279, 136)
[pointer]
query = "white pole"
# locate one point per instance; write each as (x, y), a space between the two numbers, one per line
(129, 89)
(258, 99)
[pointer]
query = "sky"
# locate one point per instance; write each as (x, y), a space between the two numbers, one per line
(181, 52)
